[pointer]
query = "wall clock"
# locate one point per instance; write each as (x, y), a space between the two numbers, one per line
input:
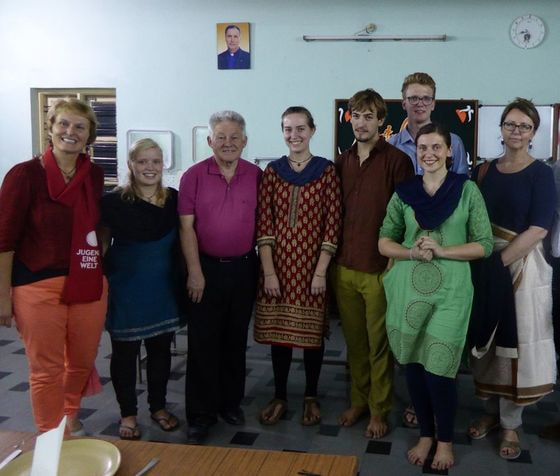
(527, 31)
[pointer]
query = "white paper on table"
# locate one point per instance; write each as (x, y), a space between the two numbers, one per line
(47, 451)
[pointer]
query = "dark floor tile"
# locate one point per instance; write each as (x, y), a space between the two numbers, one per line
(104, 380)
(176, 375)
(524, 457)
(247, 401)
(111, 430)
(21, 387)
(248, 371)
(19, 351)
(3, 419)
(270, 383)
(4, 374)
(462, 439)
(5, 342)
(427, 469)
(547, 406)
(245, 438)
(329, 430)
(342, 377)
(379, 447)
(84, 413)
(333, 353)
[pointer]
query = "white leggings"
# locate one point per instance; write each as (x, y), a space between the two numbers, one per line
(508, 411)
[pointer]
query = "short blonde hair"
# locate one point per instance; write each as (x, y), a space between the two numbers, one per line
(418, 78)
(74, 106)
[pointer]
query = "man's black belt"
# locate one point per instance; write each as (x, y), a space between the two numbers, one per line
(227, 259)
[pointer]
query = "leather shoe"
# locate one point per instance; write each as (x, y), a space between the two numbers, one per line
(233, 417)
(197, 434)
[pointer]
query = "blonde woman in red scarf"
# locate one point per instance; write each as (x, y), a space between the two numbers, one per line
(51, 280)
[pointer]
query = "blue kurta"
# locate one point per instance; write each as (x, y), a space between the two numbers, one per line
(143, 269)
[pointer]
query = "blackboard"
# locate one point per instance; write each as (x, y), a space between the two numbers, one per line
(460, 116)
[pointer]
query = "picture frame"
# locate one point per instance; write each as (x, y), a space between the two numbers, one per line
(163, 138)
(233, 45)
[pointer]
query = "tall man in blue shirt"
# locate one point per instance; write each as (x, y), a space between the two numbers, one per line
(234, 57)
(419, 100)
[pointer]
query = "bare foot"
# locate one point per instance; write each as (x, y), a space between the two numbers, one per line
(351, 415)
(443, 459)
(377, 427)
(73, 424)
(484, 425)
(417, 454)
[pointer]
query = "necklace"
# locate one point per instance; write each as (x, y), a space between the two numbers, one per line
(148, 199)
(68, 174)
(299, 163)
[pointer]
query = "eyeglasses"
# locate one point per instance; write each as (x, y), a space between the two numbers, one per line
(426, 100)
(511, 126)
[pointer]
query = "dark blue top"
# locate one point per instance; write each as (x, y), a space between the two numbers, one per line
(519, 200)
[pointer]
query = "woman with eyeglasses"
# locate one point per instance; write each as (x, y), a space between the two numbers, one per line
(511, 336)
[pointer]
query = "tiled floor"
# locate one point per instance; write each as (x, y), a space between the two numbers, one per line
(100, 415)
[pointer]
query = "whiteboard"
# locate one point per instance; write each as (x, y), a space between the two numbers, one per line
(201, 149)
(489, 136)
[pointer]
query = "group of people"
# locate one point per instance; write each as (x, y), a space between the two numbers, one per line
(389, 227)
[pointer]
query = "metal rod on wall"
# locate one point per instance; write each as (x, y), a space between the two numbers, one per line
(376, 38)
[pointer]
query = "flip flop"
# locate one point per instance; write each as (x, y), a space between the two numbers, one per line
(273, 412)
(514, 446)
(134, 430)
(167, 422)
(310, 418)
(409, 419)
(482, 429)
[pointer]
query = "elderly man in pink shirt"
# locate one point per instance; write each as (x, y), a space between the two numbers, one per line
(217, 209)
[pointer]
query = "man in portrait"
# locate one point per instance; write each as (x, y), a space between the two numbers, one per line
(234, 57)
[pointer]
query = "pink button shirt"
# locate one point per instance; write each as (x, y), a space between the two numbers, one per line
(225, 213)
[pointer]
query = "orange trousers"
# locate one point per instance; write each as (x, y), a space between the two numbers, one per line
(61, 342)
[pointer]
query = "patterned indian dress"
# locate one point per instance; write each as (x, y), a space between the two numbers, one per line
(429, 302)
(299, 216)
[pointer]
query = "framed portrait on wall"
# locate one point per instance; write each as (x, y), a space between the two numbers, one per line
(460, 116)
(233, 45)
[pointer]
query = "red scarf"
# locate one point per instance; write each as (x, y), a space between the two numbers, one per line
(84, 282)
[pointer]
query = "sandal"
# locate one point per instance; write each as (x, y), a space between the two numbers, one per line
(166, 421)
(409, 419)
(482, 428)
(273, 412)
(311, 412)
(129, 432)
(513, 446)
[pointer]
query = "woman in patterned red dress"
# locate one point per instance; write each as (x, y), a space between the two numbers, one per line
(297, 232)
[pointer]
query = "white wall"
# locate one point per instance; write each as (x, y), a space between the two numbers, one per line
(161, 57)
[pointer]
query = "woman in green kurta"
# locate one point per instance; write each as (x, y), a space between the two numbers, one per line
(434, 225)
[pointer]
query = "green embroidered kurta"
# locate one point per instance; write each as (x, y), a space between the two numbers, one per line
(429, 303)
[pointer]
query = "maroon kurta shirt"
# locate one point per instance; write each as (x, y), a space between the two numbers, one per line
(366, 191)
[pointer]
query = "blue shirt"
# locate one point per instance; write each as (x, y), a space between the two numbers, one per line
(404, 141)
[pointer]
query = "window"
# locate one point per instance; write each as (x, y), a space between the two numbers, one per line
(103, 101)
